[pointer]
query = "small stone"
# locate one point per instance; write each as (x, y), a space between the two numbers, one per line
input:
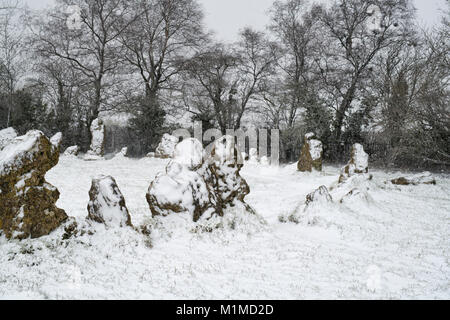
(72, 151)
(107, 204)
(421, 178)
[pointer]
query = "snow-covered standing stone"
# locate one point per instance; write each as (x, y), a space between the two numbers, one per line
(107, 204)
(97, 147)
(202, 187)
(311, 154)
(27, 201)
(166, 147)
(358, 164)
(7, 136)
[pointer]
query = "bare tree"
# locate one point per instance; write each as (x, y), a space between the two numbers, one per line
(11, 52)
(229, 78)
(160, 39)
(89, 44)
(355, 31)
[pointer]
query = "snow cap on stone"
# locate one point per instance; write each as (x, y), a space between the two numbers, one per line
(189, 152)
(107, 204)
(166, 147)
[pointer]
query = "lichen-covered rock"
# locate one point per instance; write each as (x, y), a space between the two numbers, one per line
(310, 155)
(166, 147)
(421, 178)
(97, 147)
(7, 136)
(72, 151)
(358, 164)
(27, 200)
(107, 204)
(203, 185)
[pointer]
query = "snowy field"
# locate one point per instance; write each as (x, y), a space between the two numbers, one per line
(392, 245)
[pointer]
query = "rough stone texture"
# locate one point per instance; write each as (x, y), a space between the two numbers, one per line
(358, 164)
(310, 155)
(27, 200)
(166, 147)
(201, 186)
(7, 136)
(319, 195)
(97, 147)
(421, 178)
(107, 204)
(72, 151)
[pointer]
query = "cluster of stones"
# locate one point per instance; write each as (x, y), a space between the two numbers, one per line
(27, 201)
(203, 185)
(311, 154)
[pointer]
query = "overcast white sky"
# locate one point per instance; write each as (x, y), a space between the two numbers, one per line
(227, 17)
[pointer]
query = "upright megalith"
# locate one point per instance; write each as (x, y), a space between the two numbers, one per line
(97, 147)
(200, 184)
(311, 154)
(358, 164)
(166, 147)
(7, 136)
(107, 204)
(27, 201)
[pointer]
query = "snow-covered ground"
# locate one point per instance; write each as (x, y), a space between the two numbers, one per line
(393, 245)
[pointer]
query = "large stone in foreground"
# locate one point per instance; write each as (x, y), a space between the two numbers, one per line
(202, 186)
(358, 164)
(27, 201)
(107, 204)
(311, 154)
